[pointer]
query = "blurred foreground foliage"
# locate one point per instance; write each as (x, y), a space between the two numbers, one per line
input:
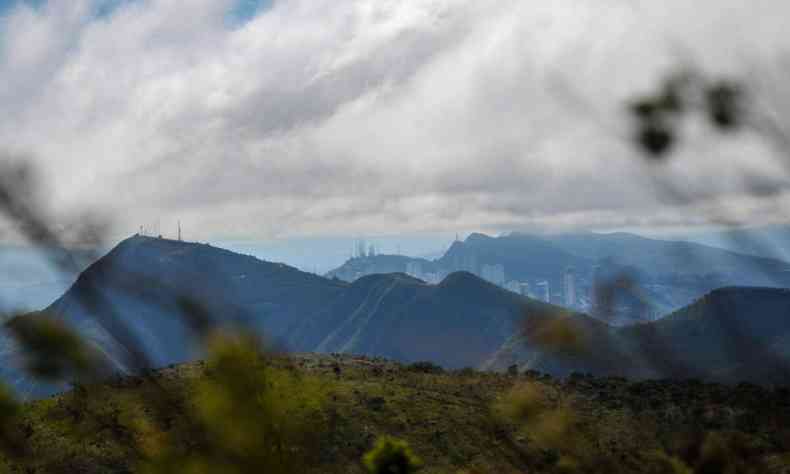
(243, 415)
(53, 352)
(559, 429)
(251, 417)
(658, 117)
(391, 456)
(246, 410)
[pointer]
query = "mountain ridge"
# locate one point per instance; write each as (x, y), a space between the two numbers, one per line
(462, 321)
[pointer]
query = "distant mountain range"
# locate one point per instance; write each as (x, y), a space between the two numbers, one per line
(768, 241)
(143, 296)
(667, 274)
(730, 335)
(143, 281)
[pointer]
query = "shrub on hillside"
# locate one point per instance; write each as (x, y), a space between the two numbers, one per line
(467, 372)
(425, 367)
(391, 456)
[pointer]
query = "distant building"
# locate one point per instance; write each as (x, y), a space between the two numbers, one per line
(514, 286)
(494, 274)
(594, 277)
(470, 264)
(570, 287)
(465, 263)
(524, 289)
(595, 288)
(414, 269)
(544, 291)
(360, 250)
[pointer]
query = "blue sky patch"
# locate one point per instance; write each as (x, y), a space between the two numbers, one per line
(6, 5)
(242, 12)
(106, 8)
(245, 10)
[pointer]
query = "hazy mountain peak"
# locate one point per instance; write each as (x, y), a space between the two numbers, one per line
(477, 237)
(397, 277)
(465, 279)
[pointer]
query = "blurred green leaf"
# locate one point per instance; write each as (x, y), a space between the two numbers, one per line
(52, 351)
(391, 456)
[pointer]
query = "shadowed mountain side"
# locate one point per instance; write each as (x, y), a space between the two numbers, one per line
(730, 335)
(458, 323)
(143, 282)
(131, 303)
(569, 343)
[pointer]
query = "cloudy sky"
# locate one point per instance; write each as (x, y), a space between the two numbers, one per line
(292, 118)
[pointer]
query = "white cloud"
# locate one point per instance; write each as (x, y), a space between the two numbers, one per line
(367, 116)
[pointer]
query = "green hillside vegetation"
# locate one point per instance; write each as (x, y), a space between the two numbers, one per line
(240, 412)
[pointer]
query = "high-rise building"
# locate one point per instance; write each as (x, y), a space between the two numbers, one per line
(494, 273)
(514, 286)
(570, 287)
(544, 291)
(469, 264)
(361, 250)
(414, 269)
(595, 278)
(524, 289)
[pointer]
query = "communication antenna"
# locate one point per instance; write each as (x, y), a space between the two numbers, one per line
(179, 231)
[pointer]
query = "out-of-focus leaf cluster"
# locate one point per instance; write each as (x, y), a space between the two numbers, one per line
(549, 421)
(54, 352)
(568, 440)
(250, 416)
(658, 116)
(560, 334)
(391, 456)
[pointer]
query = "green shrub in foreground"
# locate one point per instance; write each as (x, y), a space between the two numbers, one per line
(391, 456)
